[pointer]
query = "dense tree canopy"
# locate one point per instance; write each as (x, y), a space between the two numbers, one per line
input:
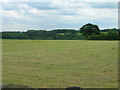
(87, 32)
(89, 29)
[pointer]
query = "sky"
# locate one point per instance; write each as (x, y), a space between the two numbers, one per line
(57, 14)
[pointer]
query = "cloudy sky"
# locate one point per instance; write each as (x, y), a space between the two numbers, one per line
(54, 14)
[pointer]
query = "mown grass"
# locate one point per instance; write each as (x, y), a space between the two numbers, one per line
(61, 63)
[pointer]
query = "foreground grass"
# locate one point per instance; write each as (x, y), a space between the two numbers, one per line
(60, 63)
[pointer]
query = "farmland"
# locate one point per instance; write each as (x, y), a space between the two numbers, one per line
(60, 63)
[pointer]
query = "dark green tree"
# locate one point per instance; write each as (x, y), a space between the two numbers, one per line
(89, 29)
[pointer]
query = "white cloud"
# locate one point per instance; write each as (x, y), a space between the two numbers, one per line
(65, 4)
(12, 14)
(92, 14)
(6, 1)
(65, 13)
(25, 9)
(17, 26)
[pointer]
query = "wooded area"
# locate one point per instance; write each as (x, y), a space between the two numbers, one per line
(86, 32)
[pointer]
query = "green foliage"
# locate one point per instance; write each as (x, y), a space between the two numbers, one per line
(87, 32)
(110, 35)
(14, 35)
(89, 29)
(64, 31)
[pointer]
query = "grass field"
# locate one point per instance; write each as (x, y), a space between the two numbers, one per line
(61, 63)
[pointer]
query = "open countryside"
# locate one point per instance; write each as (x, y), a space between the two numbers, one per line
(66, 44)
(60, 63)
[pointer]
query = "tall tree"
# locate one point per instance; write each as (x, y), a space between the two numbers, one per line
(89, 29)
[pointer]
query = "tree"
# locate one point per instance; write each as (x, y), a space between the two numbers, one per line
(89, 29)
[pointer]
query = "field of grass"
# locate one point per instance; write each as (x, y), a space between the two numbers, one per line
(60, 63)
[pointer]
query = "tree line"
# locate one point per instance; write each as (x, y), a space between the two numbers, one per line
(86, 32)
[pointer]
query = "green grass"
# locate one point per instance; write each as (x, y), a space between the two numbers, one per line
(61, 63)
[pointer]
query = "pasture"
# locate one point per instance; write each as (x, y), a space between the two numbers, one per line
(60, 63)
